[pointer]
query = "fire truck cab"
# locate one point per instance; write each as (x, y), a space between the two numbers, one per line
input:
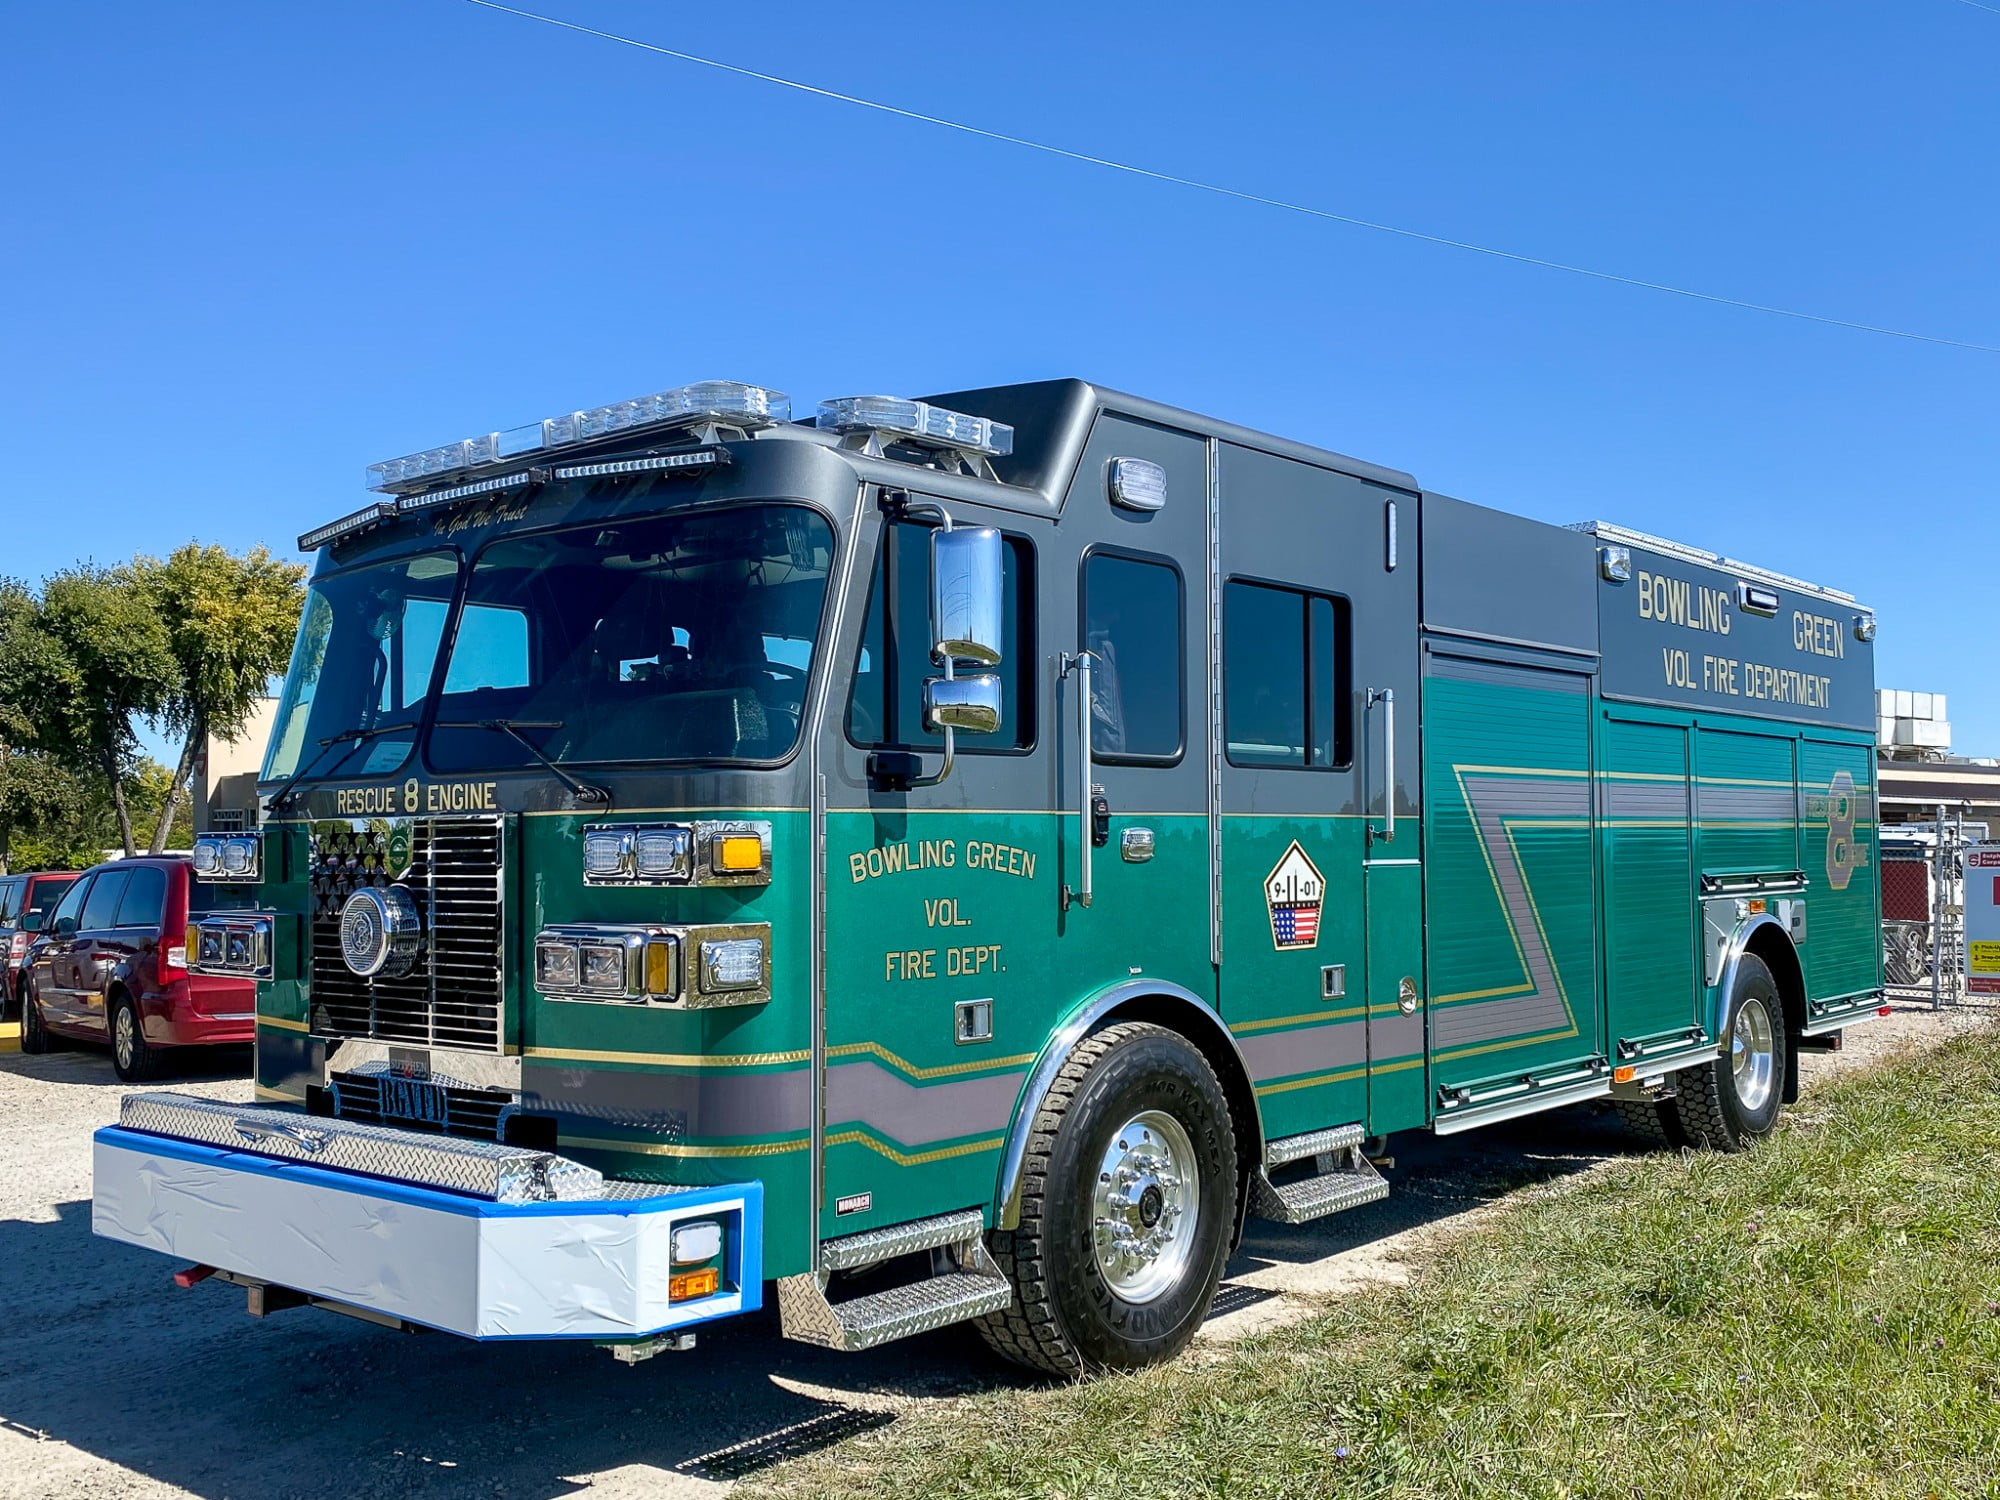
(956, 860)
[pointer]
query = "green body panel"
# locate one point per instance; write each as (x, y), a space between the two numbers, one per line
(1398, 1073)
(1652, 926)
(1313, 1050)
(1510, 876)
(1746, 806)
(1843, 949)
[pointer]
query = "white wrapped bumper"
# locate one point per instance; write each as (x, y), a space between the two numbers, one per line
(592, 1269)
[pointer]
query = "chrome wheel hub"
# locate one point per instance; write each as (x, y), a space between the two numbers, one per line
(1145, 1207)
(1753, 1058)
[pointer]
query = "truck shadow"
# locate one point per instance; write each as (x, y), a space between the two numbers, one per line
(104, 1359)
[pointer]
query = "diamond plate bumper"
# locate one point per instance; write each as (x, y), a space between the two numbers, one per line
(578, 1268)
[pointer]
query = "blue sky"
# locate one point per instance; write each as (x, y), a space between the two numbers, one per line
(251, 248)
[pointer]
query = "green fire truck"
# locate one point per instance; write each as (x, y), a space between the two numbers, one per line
(958, 859)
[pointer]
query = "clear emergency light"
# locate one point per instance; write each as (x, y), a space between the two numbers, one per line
(725, 403)
(933, 426)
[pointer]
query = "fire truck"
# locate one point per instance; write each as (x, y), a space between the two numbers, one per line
(959, 859)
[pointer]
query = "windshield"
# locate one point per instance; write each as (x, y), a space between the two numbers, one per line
(684, 637)
(367, 642)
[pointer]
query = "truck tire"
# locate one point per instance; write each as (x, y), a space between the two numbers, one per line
(132, 1057)
(1654, 1121)
(1127, 1208)
(1730, 1103)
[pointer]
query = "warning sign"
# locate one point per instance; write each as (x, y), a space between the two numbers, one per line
(1982, 919)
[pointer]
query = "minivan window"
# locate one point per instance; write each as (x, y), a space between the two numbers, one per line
(145, 898)
(45, 891)
(100, 907)
(72, 902)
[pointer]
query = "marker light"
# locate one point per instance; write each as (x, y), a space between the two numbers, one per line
(739, 852)
(920, 420)
(663, 853)
(234, 857)
(1137, 484)
(726, 402)
(732, 964)
(687, 1286)
(1864, 627)
(694, 1243)
(607, 854)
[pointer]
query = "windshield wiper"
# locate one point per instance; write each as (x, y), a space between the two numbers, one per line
(345, 737)
(585, 791)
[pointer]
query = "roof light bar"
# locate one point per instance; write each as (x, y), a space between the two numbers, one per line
(727, 403)
(407, 503)
(361, 520)
(700, 458)
(933, 426)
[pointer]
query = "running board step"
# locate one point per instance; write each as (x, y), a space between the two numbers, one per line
(1344, 1178)
(964, 1283)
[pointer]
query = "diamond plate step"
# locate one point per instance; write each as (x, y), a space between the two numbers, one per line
(882, 1317)
(1346, 1178)
(972, 1287)
(877, 1245)
(1313, 1143)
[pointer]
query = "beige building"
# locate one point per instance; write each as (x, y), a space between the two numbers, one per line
(225, 774)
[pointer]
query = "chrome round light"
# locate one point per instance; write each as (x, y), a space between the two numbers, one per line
(381, 931)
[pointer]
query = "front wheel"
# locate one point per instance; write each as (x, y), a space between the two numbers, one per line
(1126, 1213)
(1729, 1103)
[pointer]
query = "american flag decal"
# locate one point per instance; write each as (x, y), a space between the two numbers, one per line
(1294, 891)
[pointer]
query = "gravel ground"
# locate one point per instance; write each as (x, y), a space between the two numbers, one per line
(115, 1383)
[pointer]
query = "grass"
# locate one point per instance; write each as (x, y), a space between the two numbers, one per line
(1820, 1317)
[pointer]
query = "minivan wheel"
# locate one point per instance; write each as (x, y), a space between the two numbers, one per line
(134, 1059)
(34, 1035)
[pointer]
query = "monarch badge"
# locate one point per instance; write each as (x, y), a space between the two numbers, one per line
(1294, 892)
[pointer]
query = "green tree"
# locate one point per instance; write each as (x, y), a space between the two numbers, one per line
(77, 667)
(229, 620)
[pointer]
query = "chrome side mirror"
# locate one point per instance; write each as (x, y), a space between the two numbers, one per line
(968, 703)
(965, 595)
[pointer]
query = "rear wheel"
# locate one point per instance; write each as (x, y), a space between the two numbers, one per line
(1127, 1208)
(1735, 1100)
(34, 1035)
(134, 1059)
(1654, 1121)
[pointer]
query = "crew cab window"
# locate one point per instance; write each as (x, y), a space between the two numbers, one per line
(1132, 626)
(10, 900)
(1286, 695)
(100, 907)
(145, 898)
(886, 711)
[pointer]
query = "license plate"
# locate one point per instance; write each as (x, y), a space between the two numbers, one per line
(415, 1101)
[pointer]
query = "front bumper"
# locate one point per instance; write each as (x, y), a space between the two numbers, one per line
(575, 1268)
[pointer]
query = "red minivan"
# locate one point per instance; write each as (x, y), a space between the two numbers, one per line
(110, 965)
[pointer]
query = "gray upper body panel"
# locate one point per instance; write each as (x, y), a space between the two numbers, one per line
(1504, 577)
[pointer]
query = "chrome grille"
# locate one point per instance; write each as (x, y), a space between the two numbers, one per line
(452, 868)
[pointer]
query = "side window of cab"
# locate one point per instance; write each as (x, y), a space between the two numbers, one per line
(71, 906)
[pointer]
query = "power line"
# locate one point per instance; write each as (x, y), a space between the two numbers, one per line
(1238, 193)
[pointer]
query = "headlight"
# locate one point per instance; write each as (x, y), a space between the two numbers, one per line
(641, 964)
(604, 967)
(556, 965)
(607, 962)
